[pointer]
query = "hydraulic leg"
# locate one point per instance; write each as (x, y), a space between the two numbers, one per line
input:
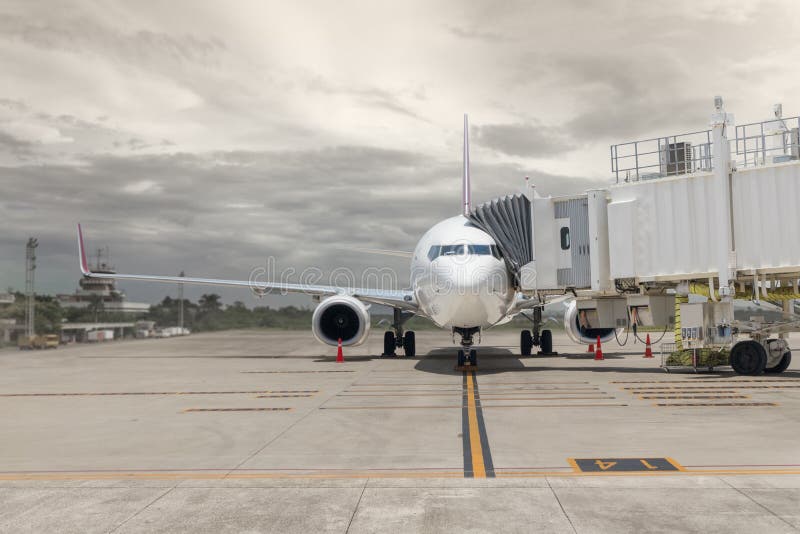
(399, 338)
(467, 340)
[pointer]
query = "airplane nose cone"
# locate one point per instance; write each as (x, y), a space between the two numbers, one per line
(469, 291)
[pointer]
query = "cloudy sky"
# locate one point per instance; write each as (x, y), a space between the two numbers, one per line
(206, 136)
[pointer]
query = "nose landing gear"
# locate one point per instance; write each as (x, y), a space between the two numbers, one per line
(467, 354)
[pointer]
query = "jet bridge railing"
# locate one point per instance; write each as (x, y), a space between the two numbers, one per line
(767, 142)
(754, 144)
(662, 156)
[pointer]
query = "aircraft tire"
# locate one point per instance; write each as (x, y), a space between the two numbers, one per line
(546, 342)
(388, 343)
(410, 344)
(525, 343)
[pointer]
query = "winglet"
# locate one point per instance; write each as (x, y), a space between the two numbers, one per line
(466, 193)
(82, 254)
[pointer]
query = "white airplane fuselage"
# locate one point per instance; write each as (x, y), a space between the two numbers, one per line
(459, 278)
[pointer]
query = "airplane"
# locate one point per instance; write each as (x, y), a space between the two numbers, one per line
(459, 280)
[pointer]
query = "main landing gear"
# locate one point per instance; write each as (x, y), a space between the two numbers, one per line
(466, 353)
(532, 338)
(397, 338)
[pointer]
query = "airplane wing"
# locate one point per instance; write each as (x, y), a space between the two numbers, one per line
(523, 302)
(384, 252)
(402, 299)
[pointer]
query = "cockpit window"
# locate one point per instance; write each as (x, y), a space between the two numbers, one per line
(451, 250)
(459, 250)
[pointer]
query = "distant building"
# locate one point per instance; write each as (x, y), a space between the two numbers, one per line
(91, 289)
(7, 326)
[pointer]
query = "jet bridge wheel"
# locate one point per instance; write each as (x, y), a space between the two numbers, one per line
(388, 343)
(782, 365)
(409, 344)
(748, 358)
(525, 342)
(546, 342)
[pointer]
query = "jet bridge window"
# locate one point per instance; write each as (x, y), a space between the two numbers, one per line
(565, 238)
(459, 250)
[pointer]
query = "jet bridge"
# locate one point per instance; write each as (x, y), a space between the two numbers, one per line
(713, 209)
(728, 213)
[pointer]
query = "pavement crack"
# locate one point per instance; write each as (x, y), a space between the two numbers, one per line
(563, 511)
(793, 527)
(148, 505)
(358, 503)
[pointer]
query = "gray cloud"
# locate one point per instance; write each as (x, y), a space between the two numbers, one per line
(523, 139)
(84, 35)
(15, 147)
(479, 35)
(220, 214)
(207, 142)
(368, 96)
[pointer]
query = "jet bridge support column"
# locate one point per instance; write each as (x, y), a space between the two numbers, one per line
(598, 240)
(723, 242)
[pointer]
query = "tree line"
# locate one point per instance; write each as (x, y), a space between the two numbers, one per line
(208, 313)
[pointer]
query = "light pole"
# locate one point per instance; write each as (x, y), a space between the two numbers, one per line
(30, 267)
(180, 300)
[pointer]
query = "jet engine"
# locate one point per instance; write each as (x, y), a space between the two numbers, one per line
(342, 317)
(581, 334)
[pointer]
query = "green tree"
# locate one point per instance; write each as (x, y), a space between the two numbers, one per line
(210, 303)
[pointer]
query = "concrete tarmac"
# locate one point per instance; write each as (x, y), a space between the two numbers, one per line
(262, 431)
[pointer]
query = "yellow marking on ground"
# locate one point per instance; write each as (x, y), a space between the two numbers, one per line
(677, 466)
(582, 405)
(394, 407)
(478, 469)
(574, 464)
(188, 410)
(690, 397)
(483, 405)
(490, 392)
(711, 404)
(401, 384)
(685, 472)
(147, 393)
(517, 473)
(705, 380)
(283, 396)
(221, 476)
(683, 392)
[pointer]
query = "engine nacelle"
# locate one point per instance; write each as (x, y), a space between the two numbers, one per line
(340, 316)
(582, 335)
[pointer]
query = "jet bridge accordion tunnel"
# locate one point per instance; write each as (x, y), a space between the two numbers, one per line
(546, 242)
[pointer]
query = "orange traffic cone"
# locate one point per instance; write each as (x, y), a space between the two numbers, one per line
(598, 354)
(648, 352)
(339, 355)
(591, 347)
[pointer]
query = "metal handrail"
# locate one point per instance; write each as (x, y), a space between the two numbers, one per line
(787, 146)
(685, 153)
(666, 156)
